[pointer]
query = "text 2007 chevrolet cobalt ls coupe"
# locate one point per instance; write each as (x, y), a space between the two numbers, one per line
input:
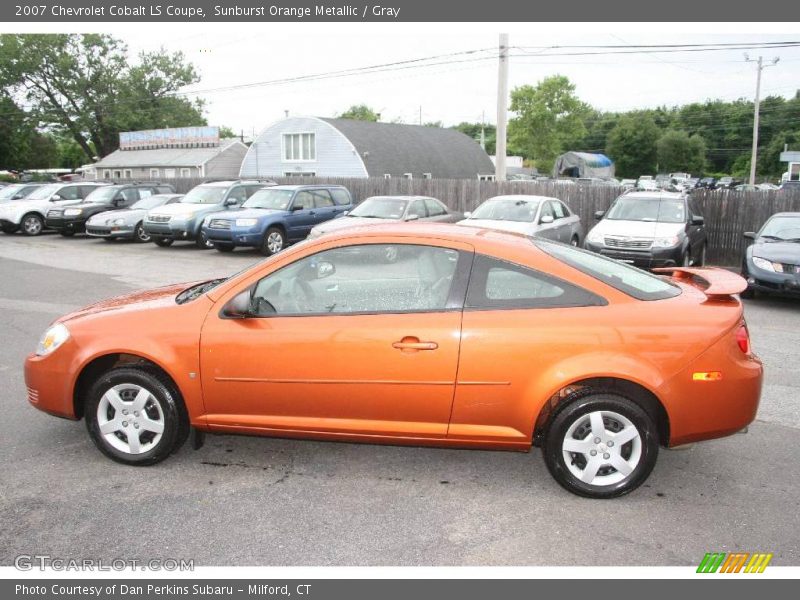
(474, 338)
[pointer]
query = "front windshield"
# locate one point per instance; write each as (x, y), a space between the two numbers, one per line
(205, 194)
(10, 191)
(270, 199)
(782, 228)
(102, 195)
(44, 192)
(659, 210)
(507, 209)
(151, 202)
(380, 208)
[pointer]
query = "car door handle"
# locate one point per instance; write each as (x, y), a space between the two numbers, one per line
(412, 344)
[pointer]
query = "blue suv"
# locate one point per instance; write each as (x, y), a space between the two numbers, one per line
(275, 217)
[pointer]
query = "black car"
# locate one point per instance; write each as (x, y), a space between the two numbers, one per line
(72, 219)
(792, 185)
(708, 183)
(772, 262)
(651, 229)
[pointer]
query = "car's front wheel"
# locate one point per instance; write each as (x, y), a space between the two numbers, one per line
(32, 224)
(140, 235)
(203, 242)
(274, 241)
(223, 247)
(135, 416)
(600, 445)
(163, 242)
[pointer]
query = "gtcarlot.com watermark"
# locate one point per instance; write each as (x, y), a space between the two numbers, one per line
(45, 562)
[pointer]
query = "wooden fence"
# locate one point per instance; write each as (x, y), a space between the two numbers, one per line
(727, 213)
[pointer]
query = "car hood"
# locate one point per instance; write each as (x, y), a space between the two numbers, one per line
(513, 226)
(641, 229)
(130, 215)
(782, 252)
(146, 299)
(247, 213)
(87, 206)
(183, 210)
(346, 222)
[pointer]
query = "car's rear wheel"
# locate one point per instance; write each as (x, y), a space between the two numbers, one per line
(686, 259)
(32, 224)
(9, 229)
(224, 247)
(600, 445)
(66, 233)
(274, 241)
(163, 242)
(140, 235)
(135, 416)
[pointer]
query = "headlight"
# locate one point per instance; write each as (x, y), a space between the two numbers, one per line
(763, 263)
(595, 237)
(52, 339)
(667, 242)
(72, 212)
(246, 222)
(118, 222)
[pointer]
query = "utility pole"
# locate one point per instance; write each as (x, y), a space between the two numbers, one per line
(502, 110)
(756, 105)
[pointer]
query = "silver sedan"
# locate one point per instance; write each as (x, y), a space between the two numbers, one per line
(127, 223)
(539, 216)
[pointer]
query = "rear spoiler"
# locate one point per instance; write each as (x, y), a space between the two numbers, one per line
(717, 282)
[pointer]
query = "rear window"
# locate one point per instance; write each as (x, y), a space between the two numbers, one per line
(625, 278)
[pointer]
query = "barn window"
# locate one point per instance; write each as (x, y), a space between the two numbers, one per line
(154, 174)
(299, 146)
(485, 177)
(408, 175)
(427, 176)
(185, 172)
(387, 175)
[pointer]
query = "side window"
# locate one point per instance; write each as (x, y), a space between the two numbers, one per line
(70, 193)
(340, 197)
(496, 284)
(558, 210)
(322, 199)
(353, 279)
(129, 195)
(547, 210)
(303, 200)
(237, 194)
(252, 189)
(145, 192)
(417, 208)
(435, 209)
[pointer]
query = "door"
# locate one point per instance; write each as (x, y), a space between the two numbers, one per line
(561, 222)
(437, 212)
(547, 226)
(302, 215)
(341, 343)
(695, 231)
(324, 207)
(417, 210)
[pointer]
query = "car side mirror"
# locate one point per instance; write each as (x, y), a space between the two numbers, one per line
(750, 235)
(55, 198)
(239, 307)
(325, 269)
(18, 197)
(230, 202)
(599, 215)
(412, 217)
(296, 207)
(546, 219)
(345, 213)
(697, 220)
(468, 215)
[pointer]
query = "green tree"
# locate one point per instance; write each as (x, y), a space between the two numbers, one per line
(86, 87)
(678, 151)
(769, 163)
(473, 130)
(549, 119)
(360, 112)
(632, 145)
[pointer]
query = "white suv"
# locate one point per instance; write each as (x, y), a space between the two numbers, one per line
(28, 213)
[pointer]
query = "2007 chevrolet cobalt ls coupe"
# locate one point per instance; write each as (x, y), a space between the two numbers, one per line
(473, 338)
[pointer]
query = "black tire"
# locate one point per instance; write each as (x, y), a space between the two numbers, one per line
(110, 239)
(578, 410)
(202, 241)
(686, 259)
(32, 224)
(701, 262)
(223, 247)
(268, 248)
(172, 415)
(749, 293)
(9, 229)
(140, 236)
(163, 242)
(574, 242)
(65, 233)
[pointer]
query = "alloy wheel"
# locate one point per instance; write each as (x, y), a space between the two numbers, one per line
(141, 234)
(130, 418)
(32, 225)
(275, 242)
(602, 448)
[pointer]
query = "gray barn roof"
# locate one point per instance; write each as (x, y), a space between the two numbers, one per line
(164, 157)
(397, 149)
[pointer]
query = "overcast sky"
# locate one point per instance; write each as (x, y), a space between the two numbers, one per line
(457, 91)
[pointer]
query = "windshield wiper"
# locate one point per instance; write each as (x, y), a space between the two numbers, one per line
(198, 290)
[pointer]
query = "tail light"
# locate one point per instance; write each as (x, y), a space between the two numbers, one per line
(743, 338)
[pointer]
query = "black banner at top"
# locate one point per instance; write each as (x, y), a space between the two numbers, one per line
(32, 11)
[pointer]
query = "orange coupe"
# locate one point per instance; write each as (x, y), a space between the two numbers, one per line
(471, 338)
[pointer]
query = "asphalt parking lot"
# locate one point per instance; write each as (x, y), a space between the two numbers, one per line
(260, 501)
